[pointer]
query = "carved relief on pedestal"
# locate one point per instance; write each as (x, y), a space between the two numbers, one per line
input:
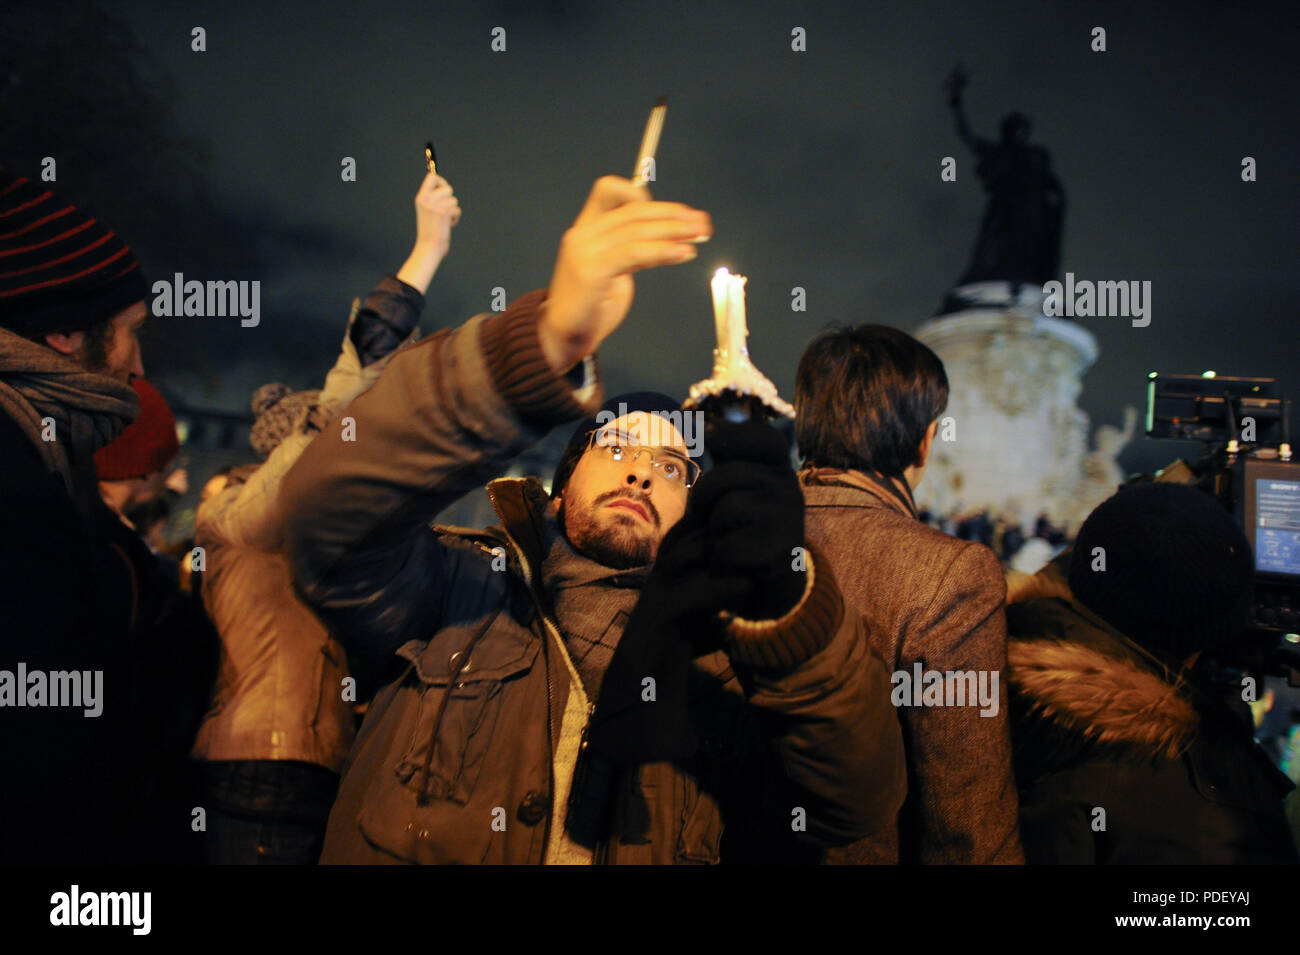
(1022, 444)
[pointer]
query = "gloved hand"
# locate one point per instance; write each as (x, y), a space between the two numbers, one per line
(675, 619)
(753, 511)
(731, 551)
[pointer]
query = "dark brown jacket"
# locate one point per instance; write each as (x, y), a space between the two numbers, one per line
(928, 597)
(461, 755)
(1123, 761)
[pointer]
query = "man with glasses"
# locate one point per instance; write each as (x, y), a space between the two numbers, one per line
(500, 649)
(623, 511)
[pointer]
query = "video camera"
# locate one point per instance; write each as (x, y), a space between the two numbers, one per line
(1244, 427)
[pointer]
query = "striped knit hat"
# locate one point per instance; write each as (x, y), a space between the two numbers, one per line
(61, 270)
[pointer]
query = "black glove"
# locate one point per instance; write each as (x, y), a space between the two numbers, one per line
(753, 509)
(675, 619)
(731, 551)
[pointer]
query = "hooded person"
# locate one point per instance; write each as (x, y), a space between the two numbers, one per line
(76, 590)
(511, 653)
(1126, 749)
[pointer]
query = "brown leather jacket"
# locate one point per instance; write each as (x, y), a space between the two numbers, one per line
(459, 757)
(280, 691)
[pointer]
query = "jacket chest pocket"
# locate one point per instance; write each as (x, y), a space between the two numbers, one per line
(462, 678)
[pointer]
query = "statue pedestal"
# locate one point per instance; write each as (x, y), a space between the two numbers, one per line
(1018, 444)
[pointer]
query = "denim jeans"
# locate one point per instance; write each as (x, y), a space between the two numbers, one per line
(266, 812)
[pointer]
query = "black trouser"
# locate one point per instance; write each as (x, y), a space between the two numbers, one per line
(266, 812)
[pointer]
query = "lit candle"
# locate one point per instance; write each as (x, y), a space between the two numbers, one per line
(733, 372)
(729, 317)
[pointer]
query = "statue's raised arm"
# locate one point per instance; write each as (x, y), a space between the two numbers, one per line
(955, 84)
(1020, 237)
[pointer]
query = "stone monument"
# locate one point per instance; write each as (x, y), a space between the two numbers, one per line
(1013, 441)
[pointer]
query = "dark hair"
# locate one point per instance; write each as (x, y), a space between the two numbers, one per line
(864, 397)
(568, 461)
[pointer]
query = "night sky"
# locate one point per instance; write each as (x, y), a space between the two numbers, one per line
(821, 169)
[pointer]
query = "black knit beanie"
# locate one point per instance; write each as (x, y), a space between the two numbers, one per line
(648, 401)
(63, 270)
(1178, 569)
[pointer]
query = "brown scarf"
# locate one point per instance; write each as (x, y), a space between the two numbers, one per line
(592, 605)
(87, 410)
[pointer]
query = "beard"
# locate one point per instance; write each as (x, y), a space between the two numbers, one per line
(94, 353)
(615, 544)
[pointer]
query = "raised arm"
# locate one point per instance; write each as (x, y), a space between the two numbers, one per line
(955, 85)
(452, 412)
(827, 740)
(247, 514)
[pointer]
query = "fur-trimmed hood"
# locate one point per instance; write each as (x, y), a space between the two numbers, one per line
(1107, 700)
(1096, 721)
(1080, 688)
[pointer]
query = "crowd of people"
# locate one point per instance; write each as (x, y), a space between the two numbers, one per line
(1002, 533)
(662, 657)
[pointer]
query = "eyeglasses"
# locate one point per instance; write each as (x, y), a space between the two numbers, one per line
(672, 466)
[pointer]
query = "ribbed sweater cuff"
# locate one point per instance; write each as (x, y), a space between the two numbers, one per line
(798, 636)
(519, 369)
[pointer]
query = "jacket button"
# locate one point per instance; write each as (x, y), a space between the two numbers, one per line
(533, 809)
